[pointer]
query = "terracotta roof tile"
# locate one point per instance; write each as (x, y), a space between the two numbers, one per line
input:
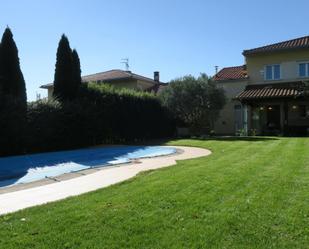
(231, 73)
(254, 92)
(302, 42)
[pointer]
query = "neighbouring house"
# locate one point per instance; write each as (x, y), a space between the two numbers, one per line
(269, 94)
(120, 78)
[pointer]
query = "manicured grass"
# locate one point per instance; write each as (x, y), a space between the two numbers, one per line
(247, 194)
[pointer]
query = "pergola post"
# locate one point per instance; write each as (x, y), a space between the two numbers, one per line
(246, 118)
(286, 117)
(282, 117)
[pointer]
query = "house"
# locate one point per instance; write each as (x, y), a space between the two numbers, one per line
(269, 94)
(119, 78)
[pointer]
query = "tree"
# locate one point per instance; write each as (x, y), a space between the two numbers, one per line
(67, 79)
(63, 81)
(12, 81)
(13, 98)
(195, 102)
(1, 77)
(76, 72)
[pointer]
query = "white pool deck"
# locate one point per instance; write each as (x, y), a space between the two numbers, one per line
(17, 200)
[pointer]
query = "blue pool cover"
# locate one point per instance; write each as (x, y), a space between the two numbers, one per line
(29, 168)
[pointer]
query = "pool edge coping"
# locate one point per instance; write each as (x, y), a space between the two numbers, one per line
(79, 173)
(18, 200)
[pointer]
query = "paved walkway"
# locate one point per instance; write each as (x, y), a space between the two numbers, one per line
(14, 201)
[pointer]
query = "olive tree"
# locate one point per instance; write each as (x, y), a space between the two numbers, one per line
(195, 102)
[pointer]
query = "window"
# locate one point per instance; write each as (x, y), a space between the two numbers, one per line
(269, 72)
(272, 72)
(303, 69)
(237, 107)
(238, 116)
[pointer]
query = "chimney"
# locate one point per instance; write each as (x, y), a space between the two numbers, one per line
(156, 76)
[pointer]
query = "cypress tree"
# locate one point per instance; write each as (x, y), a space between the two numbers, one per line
(76, 72)
(1, 77)
(63, 82)
(13, 99)
(12, 81)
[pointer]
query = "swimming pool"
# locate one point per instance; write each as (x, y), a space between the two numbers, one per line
(29, 168)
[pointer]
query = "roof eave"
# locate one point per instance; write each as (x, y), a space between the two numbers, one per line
(230, 80)
(258, 99)
(46, 86)
(107, 80)
(249, 52)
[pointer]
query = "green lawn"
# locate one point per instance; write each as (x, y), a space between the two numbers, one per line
(247, 194)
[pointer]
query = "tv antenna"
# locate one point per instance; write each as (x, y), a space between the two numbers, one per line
(125, 61)
(216, 69)
(38, 96)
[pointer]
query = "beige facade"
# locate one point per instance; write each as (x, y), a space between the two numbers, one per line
(50, 91)
(226, 123)
(288, 61)
(277, 113)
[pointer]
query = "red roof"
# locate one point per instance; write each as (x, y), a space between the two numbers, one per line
(231, 73)
(302, 42)
(267, 91)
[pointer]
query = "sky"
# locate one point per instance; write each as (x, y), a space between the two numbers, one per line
(174, 37)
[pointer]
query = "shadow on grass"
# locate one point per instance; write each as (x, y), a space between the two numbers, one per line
(214, 138)
(235, 139)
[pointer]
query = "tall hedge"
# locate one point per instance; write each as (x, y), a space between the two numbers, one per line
(99, 115)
